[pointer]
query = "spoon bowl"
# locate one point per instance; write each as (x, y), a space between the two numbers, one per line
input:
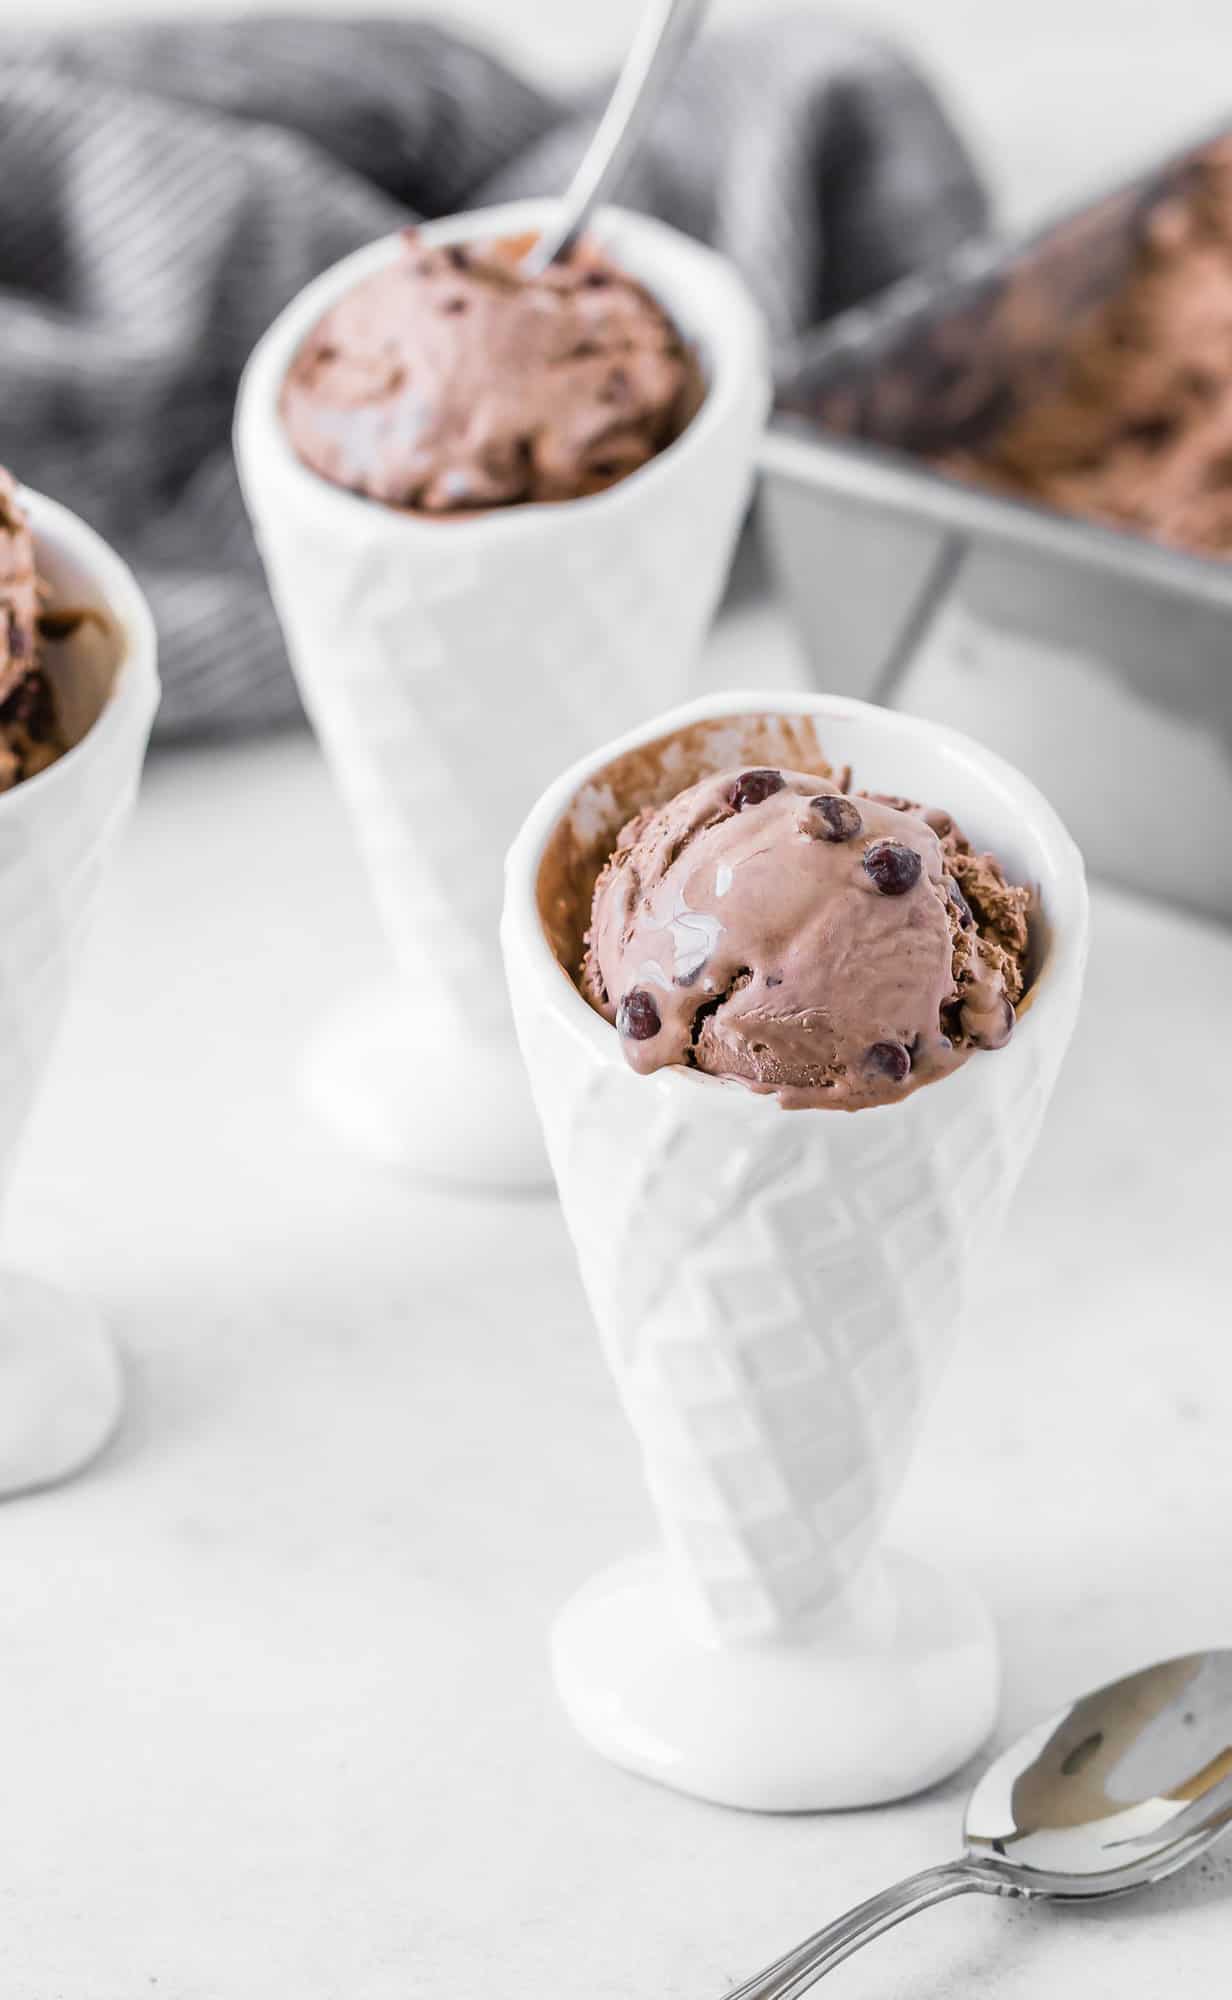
(1121, 1789)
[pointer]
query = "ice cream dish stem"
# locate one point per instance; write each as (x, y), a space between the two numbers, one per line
(60, 1391)
(450, 666)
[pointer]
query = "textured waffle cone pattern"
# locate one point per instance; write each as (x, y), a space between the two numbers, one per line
(451, 667)
(56, 835)
(448, 684)
(776, 1293)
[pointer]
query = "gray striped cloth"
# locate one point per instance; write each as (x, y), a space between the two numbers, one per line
(165, 189)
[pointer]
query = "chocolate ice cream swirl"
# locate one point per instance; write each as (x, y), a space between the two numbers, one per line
(839, 951)
(449, 382)
(1136, 428)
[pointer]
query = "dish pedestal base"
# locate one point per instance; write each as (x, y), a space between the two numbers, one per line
(891, 1690)
(60, 1386)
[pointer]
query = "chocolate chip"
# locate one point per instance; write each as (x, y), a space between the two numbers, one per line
(993, 1037)
(1151, 432)
(63, 624)
(31, 708)
(637, 1017)
(454, 306)
(1198, 383)
(892, 868)
(752, 787)
(834, 818)
(960, 903)
(736, 984)
(596, 279)
(889, 1059)
(456, 256)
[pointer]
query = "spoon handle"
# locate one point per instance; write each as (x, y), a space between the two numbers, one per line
(794, 1973)
(661, 39)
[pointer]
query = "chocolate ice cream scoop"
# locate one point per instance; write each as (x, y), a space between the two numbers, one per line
(450, 381)
(837, 950)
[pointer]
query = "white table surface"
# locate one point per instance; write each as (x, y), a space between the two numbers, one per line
(275, 1717)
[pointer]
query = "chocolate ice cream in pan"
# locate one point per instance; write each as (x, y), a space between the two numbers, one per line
(1087, 371)
(1135, 426)
(1001, 491)
(496, 513)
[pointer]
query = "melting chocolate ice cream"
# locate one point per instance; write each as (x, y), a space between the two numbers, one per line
(449, 382)
(837, 950)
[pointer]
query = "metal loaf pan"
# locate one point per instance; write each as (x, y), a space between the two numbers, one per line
(1100, 662)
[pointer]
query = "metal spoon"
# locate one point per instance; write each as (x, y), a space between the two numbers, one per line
(663, 34)
(1114, 1793)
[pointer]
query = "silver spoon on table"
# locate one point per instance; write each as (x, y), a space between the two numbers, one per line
(1120, 1790)
(663, 34)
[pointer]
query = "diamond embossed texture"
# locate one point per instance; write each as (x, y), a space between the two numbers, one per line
(56, 835)
(442, 716)
(777, 1292)
(452, 667)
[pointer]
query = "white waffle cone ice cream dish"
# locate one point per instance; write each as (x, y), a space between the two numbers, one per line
(777, 1292)
(59, 1381)
(452, 666)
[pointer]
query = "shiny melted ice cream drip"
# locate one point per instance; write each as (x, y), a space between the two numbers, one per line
(838, 951)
